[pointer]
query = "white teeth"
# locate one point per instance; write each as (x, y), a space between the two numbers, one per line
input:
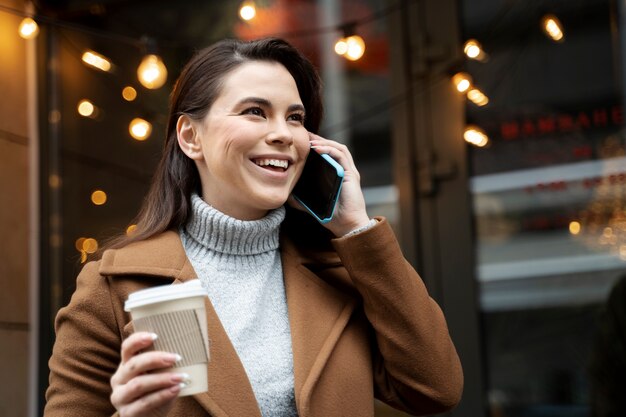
(280, 163)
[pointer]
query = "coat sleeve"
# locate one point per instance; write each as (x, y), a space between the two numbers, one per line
(416, 367)
(86, 351)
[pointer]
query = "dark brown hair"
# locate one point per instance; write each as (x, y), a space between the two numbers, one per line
(167, 204)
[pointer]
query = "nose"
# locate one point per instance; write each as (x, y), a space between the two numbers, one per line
(280, 133)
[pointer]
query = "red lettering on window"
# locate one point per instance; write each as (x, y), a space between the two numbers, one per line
(528, 128)
(617, 115)
(566, 122)
(600, 117)
(509, 130)
(583, 121)
(546, 125)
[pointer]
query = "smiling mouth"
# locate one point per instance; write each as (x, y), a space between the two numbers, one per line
(279, 165)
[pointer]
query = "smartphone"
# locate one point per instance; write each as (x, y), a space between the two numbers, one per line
(319, 186)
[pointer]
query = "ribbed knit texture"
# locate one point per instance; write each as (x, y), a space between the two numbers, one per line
(238, 262)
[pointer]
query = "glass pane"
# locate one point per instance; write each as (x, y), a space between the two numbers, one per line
(548, 194)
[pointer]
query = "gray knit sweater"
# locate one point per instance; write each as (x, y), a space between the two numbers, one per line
(238, 262)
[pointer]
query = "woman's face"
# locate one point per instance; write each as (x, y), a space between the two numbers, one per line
(253, 141)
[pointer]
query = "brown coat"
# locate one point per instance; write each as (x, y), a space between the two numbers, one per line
(362, 326)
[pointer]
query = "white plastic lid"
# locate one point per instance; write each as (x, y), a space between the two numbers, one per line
(162, 293)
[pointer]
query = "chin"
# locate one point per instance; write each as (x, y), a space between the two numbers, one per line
(272, 204)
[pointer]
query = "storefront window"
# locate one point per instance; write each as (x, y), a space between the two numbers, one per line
(549, 200)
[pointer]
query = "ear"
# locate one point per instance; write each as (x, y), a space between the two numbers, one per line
(188, 137)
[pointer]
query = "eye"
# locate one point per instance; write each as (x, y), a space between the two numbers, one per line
(296, 117)
(254, 111)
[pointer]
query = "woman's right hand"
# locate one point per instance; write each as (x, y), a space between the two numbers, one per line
(136, 391)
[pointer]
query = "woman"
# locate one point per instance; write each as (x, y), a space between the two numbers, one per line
(299, 324)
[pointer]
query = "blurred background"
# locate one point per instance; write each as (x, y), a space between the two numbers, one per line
(489, 132)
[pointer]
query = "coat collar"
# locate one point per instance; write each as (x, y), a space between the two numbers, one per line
(318, 313)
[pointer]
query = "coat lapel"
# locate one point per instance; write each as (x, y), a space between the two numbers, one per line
(318, 313)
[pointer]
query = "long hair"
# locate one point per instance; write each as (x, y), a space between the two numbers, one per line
(167, 204)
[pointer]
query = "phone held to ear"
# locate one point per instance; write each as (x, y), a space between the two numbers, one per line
(319, 186)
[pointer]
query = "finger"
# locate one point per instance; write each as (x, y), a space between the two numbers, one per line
(135, 343)
(142, 363)
(146, 384)
(152, 402)
(343, 158)
(323, 145)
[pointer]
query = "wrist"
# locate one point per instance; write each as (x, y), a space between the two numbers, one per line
(371, 223)
(345, 228)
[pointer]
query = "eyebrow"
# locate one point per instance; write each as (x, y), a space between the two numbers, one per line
(264, 102)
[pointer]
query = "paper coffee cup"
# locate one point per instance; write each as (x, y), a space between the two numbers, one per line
(176, 314)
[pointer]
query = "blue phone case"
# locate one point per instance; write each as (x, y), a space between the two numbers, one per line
(340, 174)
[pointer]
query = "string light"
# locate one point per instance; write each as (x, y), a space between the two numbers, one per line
(129, 93)
(477, 97)
(574, 227)
(341, 46)
(476, 136)
(462, 81)
(140, 129)
(152, 72)
(97, 61)
(28, 28)
(98, 197)
(131, 229)
(247, 11)
(87, 109)
(553, 28)
(79, 243)
(90, 245)
(351, 47)
(474, 50)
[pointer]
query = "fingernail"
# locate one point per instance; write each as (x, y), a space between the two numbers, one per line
(185, 378)
(182, 377)
(178, 357)
(150, 337)
(182, 385)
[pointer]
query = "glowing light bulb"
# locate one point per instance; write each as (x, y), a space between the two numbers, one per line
(574, 227)
(28, 28)
(341, 46)
(129, 93)
(97, 61)
(474, 50)
(477, 97)
(90, 245)
(131, 229)
(86, 108)
(462, 81)
(98, 197)
(79, 243)
(152, 72)
(247, 10)
(356, 47)
(140, 129)
(553, 28)
(476, 136)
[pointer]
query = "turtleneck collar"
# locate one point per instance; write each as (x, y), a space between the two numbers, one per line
(224, 234)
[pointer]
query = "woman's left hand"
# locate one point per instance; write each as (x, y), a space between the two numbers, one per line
(350, 213)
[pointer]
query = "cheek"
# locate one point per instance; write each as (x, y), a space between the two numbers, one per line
(302, 144)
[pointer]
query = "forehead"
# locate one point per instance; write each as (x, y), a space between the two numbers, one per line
(263, 79)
